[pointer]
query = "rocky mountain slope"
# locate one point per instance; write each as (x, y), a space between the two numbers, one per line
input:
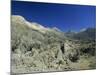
(36, 48)
(86, 34)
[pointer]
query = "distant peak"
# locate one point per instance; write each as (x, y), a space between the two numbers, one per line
(87, 29)
(84, 29)
(55, 28)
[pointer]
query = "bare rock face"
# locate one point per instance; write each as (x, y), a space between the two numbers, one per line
(36, 48)
(17, 18)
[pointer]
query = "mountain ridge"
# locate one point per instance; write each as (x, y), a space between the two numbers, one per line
(36, 48)
(33, 25)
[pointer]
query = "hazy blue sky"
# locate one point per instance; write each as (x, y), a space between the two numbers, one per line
(63, 16)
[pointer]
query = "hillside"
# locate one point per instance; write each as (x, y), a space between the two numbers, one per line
(87, 34)
(36, 48)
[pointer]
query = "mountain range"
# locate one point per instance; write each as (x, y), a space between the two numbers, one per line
(36, 48)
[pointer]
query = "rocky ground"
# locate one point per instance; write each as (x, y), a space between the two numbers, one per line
(39, 49)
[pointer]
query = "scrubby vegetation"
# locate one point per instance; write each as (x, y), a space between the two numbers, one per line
(34, 50)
